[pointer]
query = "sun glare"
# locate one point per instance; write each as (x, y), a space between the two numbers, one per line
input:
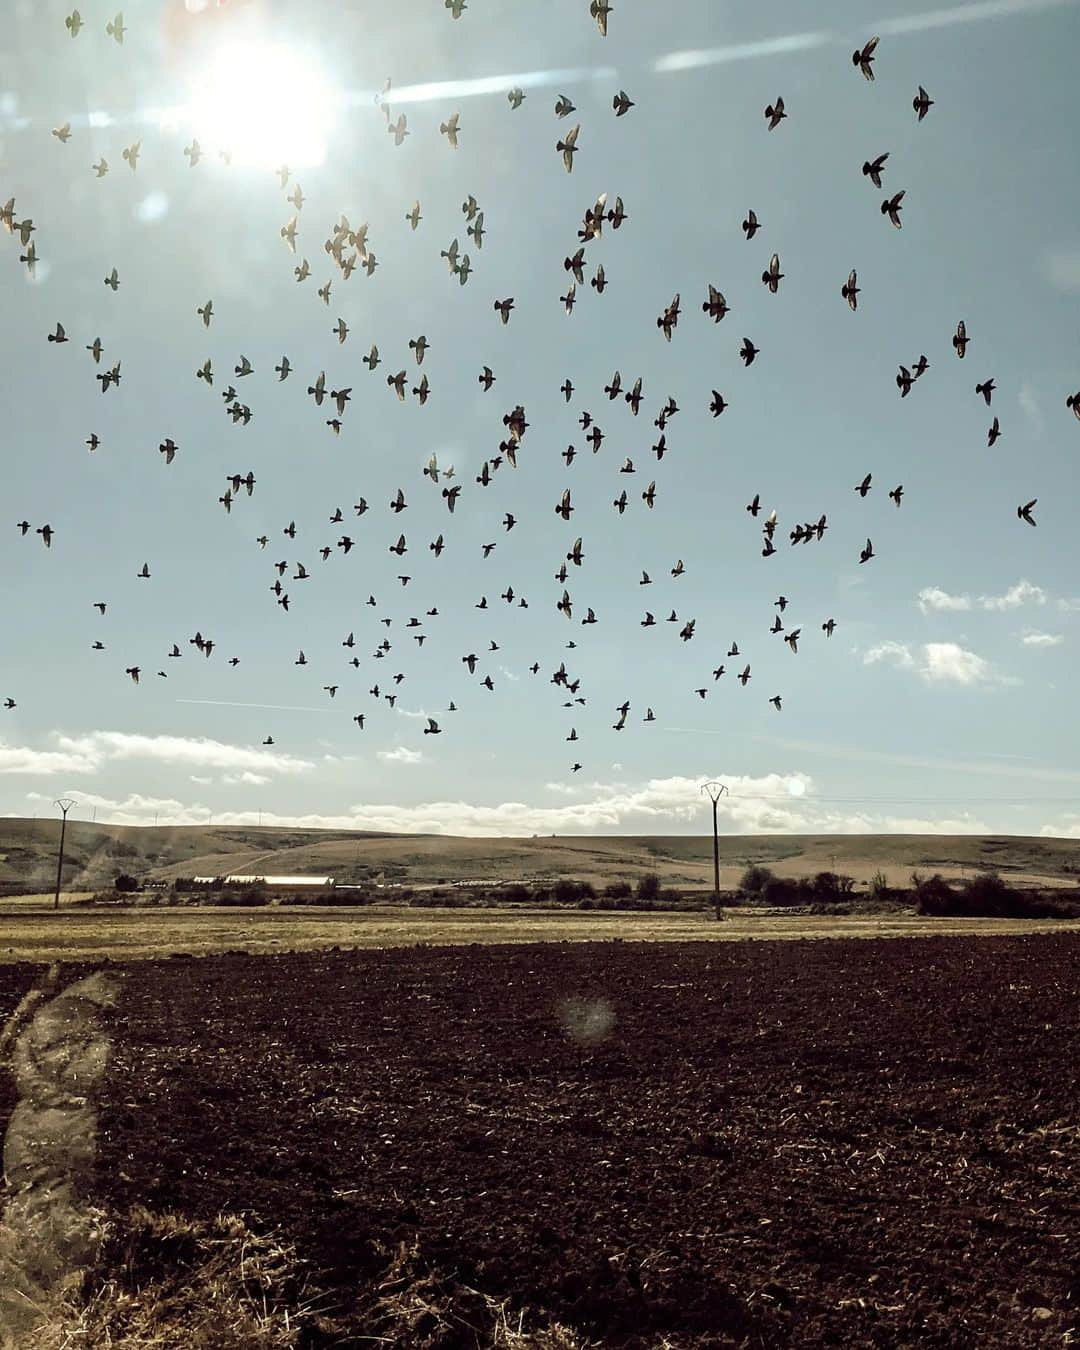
(265, 103)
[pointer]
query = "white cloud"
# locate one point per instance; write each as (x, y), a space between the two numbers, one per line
(764, 804)
(1021, 593)
(99, 747)
(134, 809)
(897, 652)
(23, 759)
(1029, 403)
(932, 597)
(247, 777)
(1062, 268)
(937, 662)
(198, 778)
(1066, 828)
(400, 755)
(947, 662)
(1042, 639)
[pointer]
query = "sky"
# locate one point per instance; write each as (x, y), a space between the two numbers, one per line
(945, 698)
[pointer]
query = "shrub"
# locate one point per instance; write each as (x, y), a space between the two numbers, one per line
(754, 880)
(568, 892)
(248, 897)
(786, 891)
(515, 894)
(618, 890)
(879, 885)
(125, 882)
(832, 885)
(933, 895)
(648, 887)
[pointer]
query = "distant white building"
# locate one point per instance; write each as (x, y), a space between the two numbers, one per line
(312, 883)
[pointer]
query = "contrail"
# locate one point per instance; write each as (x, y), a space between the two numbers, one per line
(740, 51)
(943, 18)
(276, 707)
(487, 84)
(798, 42)
(670, 63)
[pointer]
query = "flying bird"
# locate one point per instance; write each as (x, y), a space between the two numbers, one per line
(775, 114)
(600, 9)
(863, 58)
(872, 168)
(891, 207)
(450, 127)
(772, 275)
(715, 306)
(567, 147)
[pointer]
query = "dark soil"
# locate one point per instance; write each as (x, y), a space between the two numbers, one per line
(837, 1143)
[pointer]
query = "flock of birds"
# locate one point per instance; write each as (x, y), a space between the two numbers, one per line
(348, 247)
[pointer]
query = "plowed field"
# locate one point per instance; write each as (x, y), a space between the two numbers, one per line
(806, 1144)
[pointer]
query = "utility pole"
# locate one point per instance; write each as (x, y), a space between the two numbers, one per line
(714, 791)
(65, 804)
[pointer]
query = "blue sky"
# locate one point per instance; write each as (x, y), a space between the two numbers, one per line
(945, 698)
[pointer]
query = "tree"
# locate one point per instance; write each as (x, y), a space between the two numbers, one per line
(124, 882)
(754, 880)
(648, 887)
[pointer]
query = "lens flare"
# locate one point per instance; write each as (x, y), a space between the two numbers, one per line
(265, 103)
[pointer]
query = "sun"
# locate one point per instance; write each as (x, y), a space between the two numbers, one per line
(265, 103)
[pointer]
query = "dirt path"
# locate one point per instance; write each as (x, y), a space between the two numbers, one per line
(61, 1052)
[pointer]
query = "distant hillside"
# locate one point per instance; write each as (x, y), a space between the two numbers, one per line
(95, 853)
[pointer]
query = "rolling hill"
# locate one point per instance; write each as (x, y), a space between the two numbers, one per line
(94, 854)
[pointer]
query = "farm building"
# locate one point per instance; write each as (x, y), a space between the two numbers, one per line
(293, 883)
